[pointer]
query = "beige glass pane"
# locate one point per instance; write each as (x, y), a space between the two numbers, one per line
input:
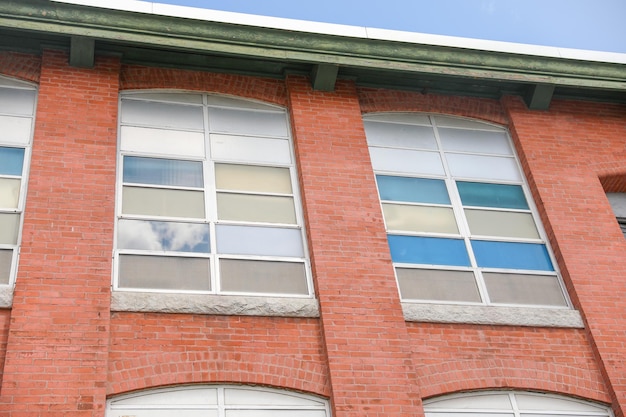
(6, 256)
(252, 178)
(164, 272)
(270, 277)
(419, 218)
(162, 202)
(441, 285)
(501, 223)
(255, 208)
(524, 289)
(9, 228)
(9, 192)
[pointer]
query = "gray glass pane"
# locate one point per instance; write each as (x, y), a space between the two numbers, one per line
(162, 114)
(276, 413)
(269, 241)
(9, 228)
(248, 122)
(165, 412)
(468, 402)
(17, 101)
(252, 178)
(397, 135)
(442, 285)
(6, 256)
(524, 289)
(268, 277)
(15, 129)
(406, 161)
(483, 167)
(9, 192)
(159, 171)
(256, 208)
(163, 236)
(501, 223)
(163, 202)
(528, 402)
(164, 272)
(478, 141)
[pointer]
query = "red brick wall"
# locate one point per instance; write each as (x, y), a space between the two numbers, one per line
(22, 66)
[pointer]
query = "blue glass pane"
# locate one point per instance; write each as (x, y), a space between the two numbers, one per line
(415, 190)
(11, 161)
(492, 195)
(163, 236)
(512, 255)
(428, 250)
(162, 171)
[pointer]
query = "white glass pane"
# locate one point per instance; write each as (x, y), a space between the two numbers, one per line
(478, 141)
(419, 218)
(469, 402)
(9, 192)
(170, 115)
(276, 413)
(9, 228)
(164, 272)
(162, 202)
(408, 118)
(501, 223)
(163, 236)
(162, 141)
(527, 402)
(269, 241)
(189, 98)
(267, 277)
(484, 167)
(524, 289)
(240, 103)
(6, 257)
(256, 208)
(459, 122)
(250, 149)
(466, 414)
(406, 161)
(15, 129)
(185, 396)
(248, 122)
(400, 135)
(438, 285)
(17, 101)
(242, 396)
(252, 178)
(168, 412)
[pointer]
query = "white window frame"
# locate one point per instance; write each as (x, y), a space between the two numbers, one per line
(211, 101)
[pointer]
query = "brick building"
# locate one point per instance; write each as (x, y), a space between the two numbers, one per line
(211, 214)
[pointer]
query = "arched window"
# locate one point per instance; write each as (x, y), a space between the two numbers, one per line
(17, 112)
(512, 404)
(217, 401)
(461, 223)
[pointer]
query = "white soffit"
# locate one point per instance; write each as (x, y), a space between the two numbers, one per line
(349, 31)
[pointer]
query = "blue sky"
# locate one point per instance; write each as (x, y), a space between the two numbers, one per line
(581, 24)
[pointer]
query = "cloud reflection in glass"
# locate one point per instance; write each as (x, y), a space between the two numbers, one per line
(163, 236)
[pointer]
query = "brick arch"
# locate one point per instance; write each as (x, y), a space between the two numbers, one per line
(22, 66)
(612, 175)
(484, 374)
(135, 77)
(380, 100)
(161, 369)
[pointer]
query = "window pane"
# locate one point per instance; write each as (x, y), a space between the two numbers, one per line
(6, 256)
(428, 250)
(400, 135)
(501, 223)
(17, 101)
(269, 241)
(275, 413)
(252, 178)
(9, 228)
(485, 401)
(246, 149)
(478, 141)
(524, 289)
(414, 190)
(242, 396)
(485, 167)
(163, 236)
(426, 284)
(419, 218)
(406, 161)
(263, 277)
(492, 195)
(163, 202)
(255, 208)
(162, 141)
(15, 129)
(529, 402)
(9, 192)
(162, 114)
(248, 122)
(11, 161)
(163, 171)
(512, 255)
(164, 272)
